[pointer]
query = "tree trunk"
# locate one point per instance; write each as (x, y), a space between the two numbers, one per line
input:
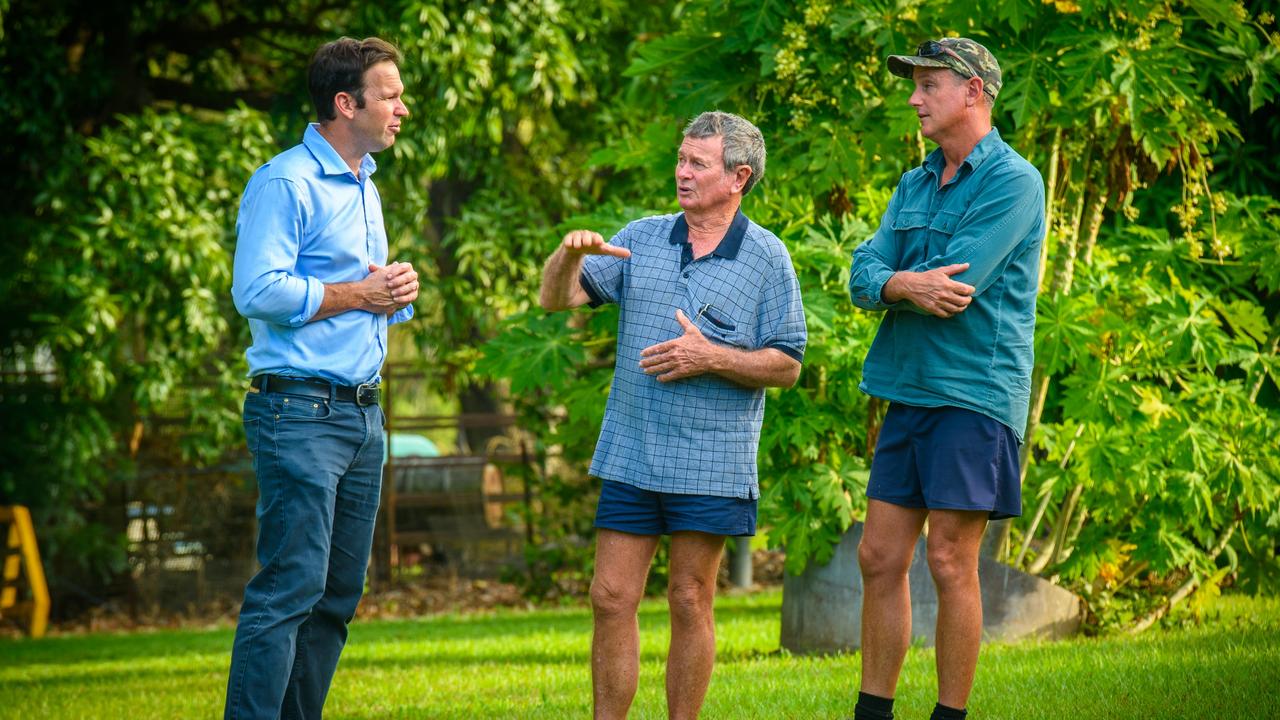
(873, 427)
(1049, 196)
(1051, 554)
(1187, 587)
(995, 542)
(1044, 503)
(480, 399)
(1093, 223)
(1256, 383)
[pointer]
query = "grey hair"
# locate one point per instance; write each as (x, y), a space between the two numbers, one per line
(743, 143)
(989, 101)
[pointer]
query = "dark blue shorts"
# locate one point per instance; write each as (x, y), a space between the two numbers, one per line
(627, 508)
(946, 458)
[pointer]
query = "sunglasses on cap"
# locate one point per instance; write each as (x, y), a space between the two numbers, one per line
(933, 49)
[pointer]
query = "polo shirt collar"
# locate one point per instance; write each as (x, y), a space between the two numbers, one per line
(936, 162)
(729, 245)
(330, 161)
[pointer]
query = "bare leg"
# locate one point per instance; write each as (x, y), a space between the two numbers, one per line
(622, 563)
(695, 560)
(884, 556)
(954, 539)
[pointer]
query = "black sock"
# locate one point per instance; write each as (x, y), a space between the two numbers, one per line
(942, 712)
(873, 707)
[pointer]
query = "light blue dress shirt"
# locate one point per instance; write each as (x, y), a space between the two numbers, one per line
(305, 221)
(990, 215)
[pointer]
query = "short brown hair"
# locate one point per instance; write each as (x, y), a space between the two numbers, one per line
(339, 66)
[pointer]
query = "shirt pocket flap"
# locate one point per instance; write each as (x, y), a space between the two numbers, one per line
(945, 222)
(910, 219)
(723, 322)
(718, 325)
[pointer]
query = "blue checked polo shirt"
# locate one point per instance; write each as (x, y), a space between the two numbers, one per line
(696, 436)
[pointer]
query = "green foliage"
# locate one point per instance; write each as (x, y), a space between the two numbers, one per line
(506, 101)
(130, 136)
(1153, 455)
(1156, 340)
(813, 466)
(1160, 365)
(123, 294)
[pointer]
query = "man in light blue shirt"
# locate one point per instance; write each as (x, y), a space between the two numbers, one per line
(312, 277)
(955, 268)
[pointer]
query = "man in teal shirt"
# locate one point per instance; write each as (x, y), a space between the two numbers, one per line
(955, 266)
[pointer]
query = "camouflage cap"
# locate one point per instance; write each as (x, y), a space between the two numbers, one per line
(963, 55)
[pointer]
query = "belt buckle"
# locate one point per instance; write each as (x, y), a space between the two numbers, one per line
(367, 394)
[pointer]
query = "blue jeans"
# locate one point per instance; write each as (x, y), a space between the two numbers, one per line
(319, 469)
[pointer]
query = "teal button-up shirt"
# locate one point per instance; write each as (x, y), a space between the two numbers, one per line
(990, 215)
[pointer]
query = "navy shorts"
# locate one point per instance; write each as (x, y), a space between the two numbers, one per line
(946, 458)
(629, 509)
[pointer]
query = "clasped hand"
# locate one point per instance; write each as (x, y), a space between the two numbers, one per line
(390, 288)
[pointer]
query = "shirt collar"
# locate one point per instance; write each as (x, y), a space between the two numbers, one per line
(935, 162)
(330, 161)
(729, 244)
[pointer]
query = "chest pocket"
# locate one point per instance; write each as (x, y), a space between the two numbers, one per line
(717, 320)
(911, 229)
(941, 228)
(922, 237)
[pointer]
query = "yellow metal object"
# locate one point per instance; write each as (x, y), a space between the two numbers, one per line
(21, 553)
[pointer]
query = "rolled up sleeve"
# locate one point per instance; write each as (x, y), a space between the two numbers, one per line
(269, 232)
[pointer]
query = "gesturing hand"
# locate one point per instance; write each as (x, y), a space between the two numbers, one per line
(689, 355)
(586, 242)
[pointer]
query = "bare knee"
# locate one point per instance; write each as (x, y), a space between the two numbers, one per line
(609, 602)
(691, 599)
(879, 561)
(953, 567)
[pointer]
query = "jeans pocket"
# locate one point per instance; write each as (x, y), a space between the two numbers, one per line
(301, 407)
(251, 433)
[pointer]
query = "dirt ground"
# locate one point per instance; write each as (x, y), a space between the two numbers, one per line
(423, 595)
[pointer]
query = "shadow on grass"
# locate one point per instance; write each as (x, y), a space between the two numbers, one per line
(435, 642)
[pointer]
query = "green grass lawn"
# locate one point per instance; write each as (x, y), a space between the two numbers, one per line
(534, 665)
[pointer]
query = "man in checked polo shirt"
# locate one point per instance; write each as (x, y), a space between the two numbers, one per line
(955, 265)
(710, 316)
